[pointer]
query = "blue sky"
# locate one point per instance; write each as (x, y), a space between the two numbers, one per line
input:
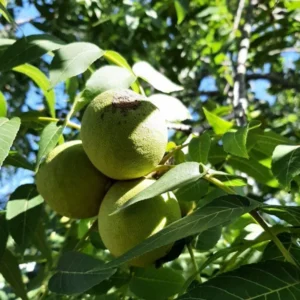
(10, 183)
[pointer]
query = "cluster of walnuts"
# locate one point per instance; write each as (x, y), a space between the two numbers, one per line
(124, 137)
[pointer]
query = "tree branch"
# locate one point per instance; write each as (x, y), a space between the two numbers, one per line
(20, 22)
(275, 78)
(239, 88)
(237, 18)
(201, 93)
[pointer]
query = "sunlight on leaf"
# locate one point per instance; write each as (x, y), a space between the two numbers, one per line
(73, 59)
(42, 82)
(49, 138)
(8, 132)
(286, 163)
(28, 49)
(219, 125)
(164, 102)
(145, 71)
(24, 209)
(264, 280)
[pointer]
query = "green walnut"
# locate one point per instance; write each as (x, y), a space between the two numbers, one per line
(122, 231)
(69, 182)
(123, 134)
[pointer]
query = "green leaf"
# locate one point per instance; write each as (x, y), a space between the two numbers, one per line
(17, 160)
(216, 154)
(42, 82)
(8, 132)
(49, 138)
(5, 43)
(117, 59)
(181, 7)
(71, 88)
(177, 177)
(261, 158)
(81, 100)
(220, 211)
(3, 106)
(211, 10)
(235, 142)
(235, 182)
(9, 268)
(224, 252)
(23, 211)
(5, 12)
(254, 169)
(207, 239)
(290, 214)
(110, 296)
(267, 280)
(219, 125)
(286, 163)
(178, 112)
(117, 280)
(179, 157)
(39, 239)
(109, 77)
(199, 148)
(78, 273)
(193, 191)
(158, 284)
(34, 119)
(271, 252)
(267, 141)
(73, 59)
(3, 234)
(145, 71)
(28, 49)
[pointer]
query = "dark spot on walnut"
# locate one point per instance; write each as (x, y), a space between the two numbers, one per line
(126, 99)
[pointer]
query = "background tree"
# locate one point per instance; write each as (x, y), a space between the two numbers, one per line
(226, 75)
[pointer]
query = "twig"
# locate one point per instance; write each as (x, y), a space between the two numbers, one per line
(159, 170)
(171, 153)
(49, 119)
(85, 236)
(180, 127)
(44, 286)
(191, 252)
(201, 93)
(70, 114)
(286, 254)
(258, 219)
